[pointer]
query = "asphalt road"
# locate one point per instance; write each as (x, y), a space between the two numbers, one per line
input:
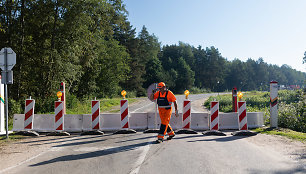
(139, 154)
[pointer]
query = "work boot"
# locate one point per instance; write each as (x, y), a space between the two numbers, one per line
(159, 141)
(170, 137)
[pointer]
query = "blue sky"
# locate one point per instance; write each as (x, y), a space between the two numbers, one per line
(272, 29)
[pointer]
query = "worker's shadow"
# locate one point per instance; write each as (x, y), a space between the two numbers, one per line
(93, 154)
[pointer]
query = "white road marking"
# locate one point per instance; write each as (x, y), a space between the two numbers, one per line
(140, 160)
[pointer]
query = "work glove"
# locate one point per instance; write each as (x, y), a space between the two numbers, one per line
(176, 113)
(154, 90)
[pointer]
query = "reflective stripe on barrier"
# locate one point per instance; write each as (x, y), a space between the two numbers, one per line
(59, 116)
(242, 117)
(29, 114)
(214, 115)
(95, 114)
(124, 112)
(186, 114)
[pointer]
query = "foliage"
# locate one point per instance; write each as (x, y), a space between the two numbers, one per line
(195, 90)
(293, 115)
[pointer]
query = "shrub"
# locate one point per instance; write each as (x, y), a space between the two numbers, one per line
(293, 115)
(195, 90)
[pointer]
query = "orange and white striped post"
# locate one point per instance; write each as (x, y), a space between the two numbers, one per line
(95, 114)
(242, 117)
(59, 115)
(29, 113)
(214, 115)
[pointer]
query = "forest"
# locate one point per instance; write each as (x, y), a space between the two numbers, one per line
(92, 47)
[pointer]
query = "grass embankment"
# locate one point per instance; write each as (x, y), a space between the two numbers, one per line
(300, 136)
(105, 105)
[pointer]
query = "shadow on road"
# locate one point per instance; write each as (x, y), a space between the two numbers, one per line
(93, 154)
(210, 138)
(142, 138)
(221, 139)
(299, 169)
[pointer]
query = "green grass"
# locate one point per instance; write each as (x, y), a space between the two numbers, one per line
(12, 138)
(283, 132)
(85, 107)
(105, 105)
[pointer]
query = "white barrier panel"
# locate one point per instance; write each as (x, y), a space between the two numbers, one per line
(199, 121)
(73, 123)
(140, 121)
(230, 120)
(108, 122)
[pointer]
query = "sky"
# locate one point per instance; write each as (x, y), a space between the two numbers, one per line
(274, 30)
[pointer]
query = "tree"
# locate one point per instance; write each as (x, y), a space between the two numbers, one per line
(185, 77)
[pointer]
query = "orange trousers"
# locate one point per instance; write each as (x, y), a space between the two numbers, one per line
(165, 116)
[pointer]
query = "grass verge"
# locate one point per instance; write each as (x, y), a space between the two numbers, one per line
(12, 138)
(300, 136)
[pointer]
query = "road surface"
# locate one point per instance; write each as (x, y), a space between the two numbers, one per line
(138, 154)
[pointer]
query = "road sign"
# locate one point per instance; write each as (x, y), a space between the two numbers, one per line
(7, 77)
(7, 62)
(7, 58)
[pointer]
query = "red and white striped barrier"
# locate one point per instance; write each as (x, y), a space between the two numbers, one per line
(242, 117)
(124, 112)
(186, 114)
(59, 115)
(29, 114)
(95, 114)
(214, 115)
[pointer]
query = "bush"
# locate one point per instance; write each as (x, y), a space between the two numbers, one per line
(45, 105)
(71, 101)
(195, 90)
(293, 115)
(15, 107)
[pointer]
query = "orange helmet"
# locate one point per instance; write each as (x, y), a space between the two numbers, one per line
(161, 84)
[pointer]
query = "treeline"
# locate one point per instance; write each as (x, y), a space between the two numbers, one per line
(92, 47)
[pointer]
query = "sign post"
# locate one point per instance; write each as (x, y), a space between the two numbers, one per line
(7, 62)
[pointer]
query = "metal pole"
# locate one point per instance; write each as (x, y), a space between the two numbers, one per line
(6, 109)
(5, 92)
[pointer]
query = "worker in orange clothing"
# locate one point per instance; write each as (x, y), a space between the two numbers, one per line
(164, 100)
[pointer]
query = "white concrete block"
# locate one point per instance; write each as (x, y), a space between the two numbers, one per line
(199, 121)
(73, 123)
(138, 121)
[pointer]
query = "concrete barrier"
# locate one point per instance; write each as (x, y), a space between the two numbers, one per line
(138, 121)
(230, 120)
